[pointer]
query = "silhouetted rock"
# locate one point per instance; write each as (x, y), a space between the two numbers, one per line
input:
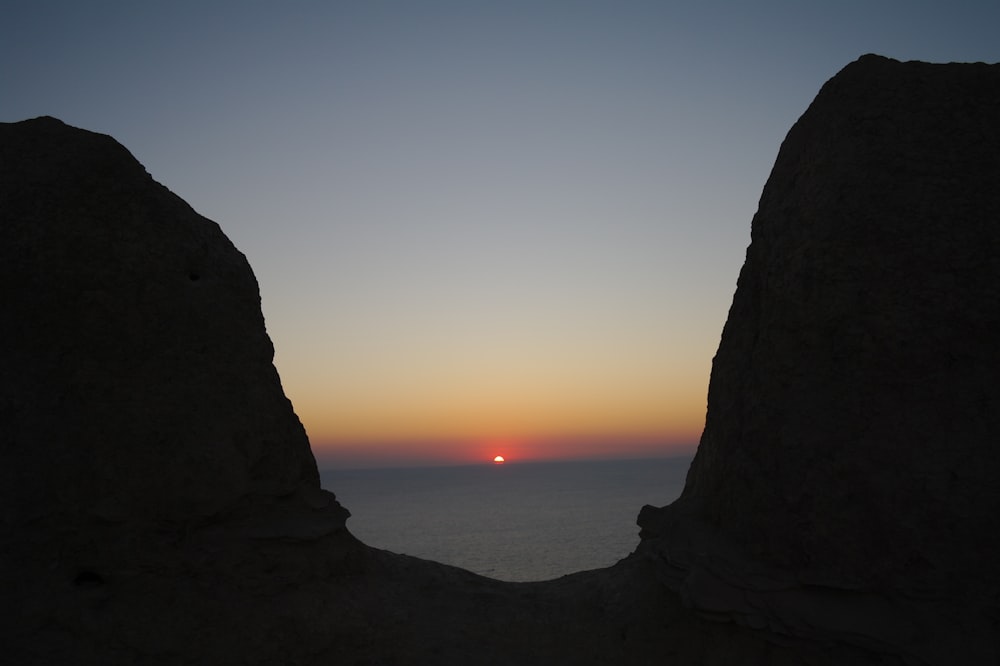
(137, 377)
(160, 503)
(146, 446)
(845, 486)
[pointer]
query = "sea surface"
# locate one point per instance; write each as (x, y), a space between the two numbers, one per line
(512, 522)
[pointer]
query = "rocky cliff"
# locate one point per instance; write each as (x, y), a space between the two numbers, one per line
(846, 480)
(137, 377)
(160, 504)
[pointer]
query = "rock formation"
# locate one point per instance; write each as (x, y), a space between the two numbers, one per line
(846, 481)
(137, 374)
(138, 399)
(160, 503)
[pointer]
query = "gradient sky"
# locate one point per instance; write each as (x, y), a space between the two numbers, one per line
(478, 227)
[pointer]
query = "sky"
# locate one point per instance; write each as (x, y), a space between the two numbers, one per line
(479, 228)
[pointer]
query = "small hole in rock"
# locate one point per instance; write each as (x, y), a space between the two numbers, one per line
(88, 579)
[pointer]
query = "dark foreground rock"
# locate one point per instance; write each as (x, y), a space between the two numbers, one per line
(846, 484)
(137, 377)
(159, 501)
(160, 504)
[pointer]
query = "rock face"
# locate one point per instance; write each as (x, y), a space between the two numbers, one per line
(137, 378)
(850, 457)
(160, 504)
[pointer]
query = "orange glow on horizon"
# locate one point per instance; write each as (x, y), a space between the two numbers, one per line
(474, 410)
(445, 452)
(498, 460)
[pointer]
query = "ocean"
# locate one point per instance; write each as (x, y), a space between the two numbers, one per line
(512, 522)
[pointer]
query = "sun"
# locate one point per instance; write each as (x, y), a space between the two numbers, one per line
(498, 460)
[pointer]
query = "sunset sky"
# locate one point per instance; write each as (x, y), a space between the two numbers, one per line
(478, 227)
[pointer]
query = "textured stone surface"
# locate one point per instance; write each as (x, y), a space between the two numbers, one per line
(136, 372)
(850, 456)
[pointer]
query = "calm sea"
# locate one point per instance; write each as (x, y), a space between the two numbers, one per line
(513, 522)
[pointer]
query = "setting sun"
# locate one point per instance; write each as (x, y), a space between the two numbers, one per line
(498, 460)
